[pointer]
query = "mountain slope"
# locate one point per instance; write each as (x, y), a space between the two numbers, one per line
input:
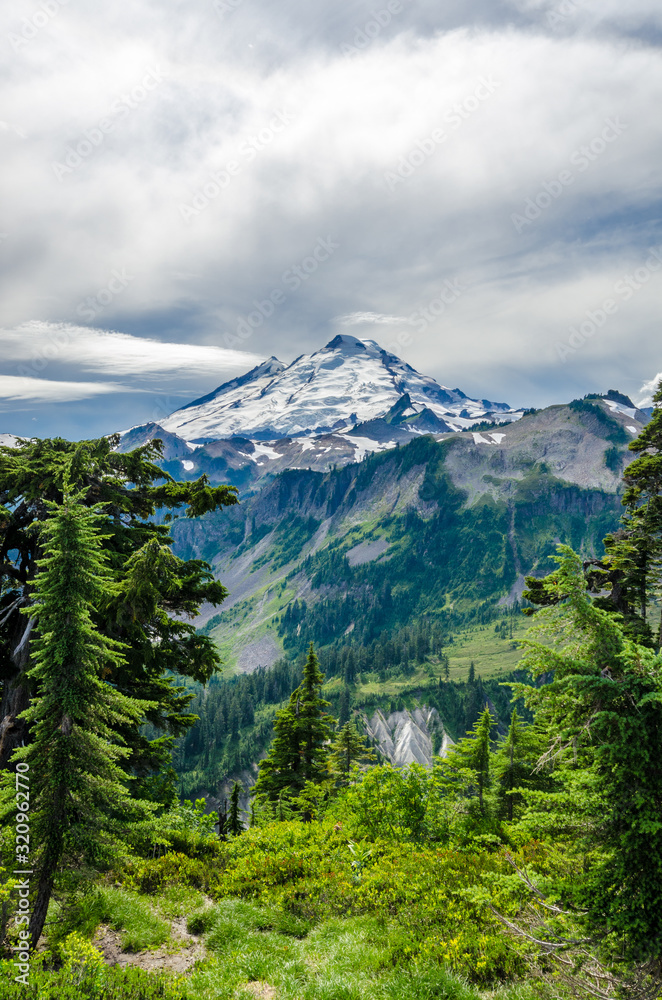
(347, 382)
(439, 525)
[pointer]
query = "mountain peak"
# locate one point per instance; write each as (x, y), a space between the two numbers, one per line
(345, 342)
(346, 382)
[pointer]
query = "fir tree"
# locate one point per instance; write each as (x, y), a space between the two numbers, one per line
(473, 754)
(643, 500)
(299, 750)
(234, 824)
(343, 709)
(151, 609)
(603, 714)
(79, 802)
(514, 765)
(348, 748)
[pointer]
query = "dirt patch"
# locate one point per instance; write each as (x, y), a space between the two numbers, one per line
(179, 955)
(259, 989)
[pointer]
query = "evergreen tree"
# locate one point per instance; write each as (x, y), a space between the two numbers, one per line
(473, 754)
(348, 748)
(643, 501)
(78, 797)
(603, 714)
(631, 569)
(343, 709)
(514, 765)
(151, 609)
(299, 750)
(234, 824)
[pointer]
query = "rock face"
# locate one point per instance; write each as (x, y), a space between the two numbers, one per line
(407, 737)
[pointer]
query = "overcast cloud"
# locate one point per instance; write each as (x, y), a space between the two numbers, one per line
(167, 166)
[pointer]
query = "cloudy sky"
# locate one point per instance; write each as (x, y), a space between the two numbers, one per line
(170, 169)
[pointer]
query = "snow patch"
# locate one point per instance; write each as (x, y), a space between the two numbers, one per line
(187, 465)
(619, 408)
(632, 430)
(264, 449)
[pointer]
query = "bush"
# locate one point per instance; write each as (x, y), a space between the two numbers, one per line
(91, 984)
(173, 868)
(303, 874)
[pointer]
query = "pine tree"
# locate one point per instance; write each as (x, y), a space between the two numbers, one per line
(150, 612)
(78, 796)
(514, 765)
(473, 753)
(343, 709)
(643, 502)
(299, 750)
(234, 824)
(603, 713)
(348, 748)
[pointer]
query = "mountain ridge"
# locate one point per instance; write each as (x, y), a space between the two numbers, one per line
(346, 382)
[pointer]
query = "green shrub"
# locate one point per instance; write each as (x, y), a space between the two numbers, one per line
(91, 984)
(289, 877)
(173, 868)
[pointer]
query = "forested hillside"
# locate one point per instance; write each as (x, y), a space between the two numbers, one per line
(420, 826)
(383, 563)
(437, 527)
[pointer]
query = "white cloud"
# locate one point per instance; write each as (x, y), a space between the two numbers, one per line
(18, 388)
(649, 389)
(358, 318)
(111, 353)
(354, 119)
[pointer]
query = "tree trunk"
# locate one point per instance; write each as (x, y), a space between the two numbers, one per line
(47, 867)
(40, 908)
(15, 698)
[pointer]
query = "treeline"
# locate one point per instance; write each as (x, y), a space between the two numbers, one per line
(236, 714)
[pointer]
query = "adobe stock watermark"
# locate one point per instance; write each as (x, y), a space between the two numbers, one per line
(292, 279)
(22, 849)
(92, 305)
(562, 13)
(43, 355)
(424, 148)
(226, 6)
(425, 316)
(364, 35)
(82, 148)
(581, 158)
(31, 26)
(248, 151)
(624, 289)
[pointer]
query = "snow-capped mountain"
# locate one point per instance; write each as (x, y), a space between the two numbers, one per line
(346, 383)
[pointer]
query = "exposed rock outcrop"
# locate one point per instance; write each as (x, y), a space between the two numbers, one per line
(408, 737)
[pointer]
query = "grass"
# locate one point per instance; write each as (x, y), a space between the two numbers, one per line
(141, 928)
(342, 959)
(491, 654)
(260, 951)
(354, 958)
